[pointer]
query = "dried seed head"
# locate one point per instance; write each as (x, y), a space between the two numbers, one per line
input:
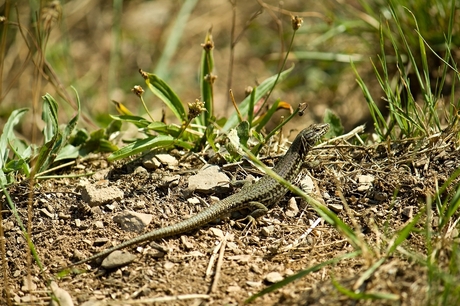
(138, 90)
(296, 22)
(143, 74)
(195, 108)
(210, 78)
(248, 90)
(209, 44)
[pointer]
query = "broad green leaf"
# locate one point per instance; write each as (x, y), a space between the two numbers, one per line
(262, 89)
(68, 152)
(8, 134)
(336, 127)
(166, 94)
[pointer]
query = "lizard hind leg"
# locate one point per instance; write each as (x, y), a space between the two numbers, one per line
(257, 210)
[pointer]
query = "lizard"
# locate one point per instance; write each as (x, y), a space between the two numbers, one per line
(256, 197)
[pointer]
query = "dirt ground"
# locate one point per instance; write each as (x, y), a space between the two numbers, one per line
(402, 180)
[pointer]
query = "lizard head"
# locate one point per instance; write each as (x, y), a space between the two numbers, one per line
(309, 136)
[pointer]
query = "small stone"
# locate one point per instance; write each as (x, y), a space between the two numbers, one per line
(117, 259)
(168, 265)
(99, 196)
(193, 201)
(233, 289)
(273, 277)
(187, 244)
(254, 268)
(101, 174)
(335, 207)
(139, 170)
(366, 179)
(408, 211)
(292, 209)
(253, 284)
(307, 184)
(362, 188)
(168, 160)
(99, 224)
(63, 297)
(28, 286)
(289, 272)
(46, 213)
(267, 231)
(77, 222)
(132, 221)
(217, 232)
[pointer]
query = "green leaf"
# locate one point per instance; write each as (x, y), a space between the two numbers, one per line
(206, 80)
(267, 116)
(68, 152)
(8, 134)
(336, 127)
(262, 89)
(73, 122)
(138, 121)
(168, 129)
(166, 94)
(142, 145)
(50, 117)
(243, 132)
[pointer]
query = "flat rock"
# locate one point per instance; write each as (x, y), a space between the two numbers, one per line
(117, 259)
(100, 196)
(209, 180)
(132, 221)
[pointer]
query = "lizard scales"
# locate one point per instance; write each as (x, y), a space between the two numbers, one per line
(255, 197)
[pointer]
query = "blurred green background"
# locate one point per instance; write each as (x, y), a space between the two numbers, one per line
(98, 47)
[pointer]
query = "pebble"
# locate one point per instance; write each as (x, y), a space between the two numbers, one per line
(132, 221)
(100, 196)
(217, 232)
(273, 277)
(267, 231)
(335, 207)
(63, 297)
(117, 259)
(292, 209)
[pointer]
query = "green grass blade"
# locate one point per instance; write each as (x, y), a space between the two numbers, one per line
(142, 145)
(138, 121)
(271, 111)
